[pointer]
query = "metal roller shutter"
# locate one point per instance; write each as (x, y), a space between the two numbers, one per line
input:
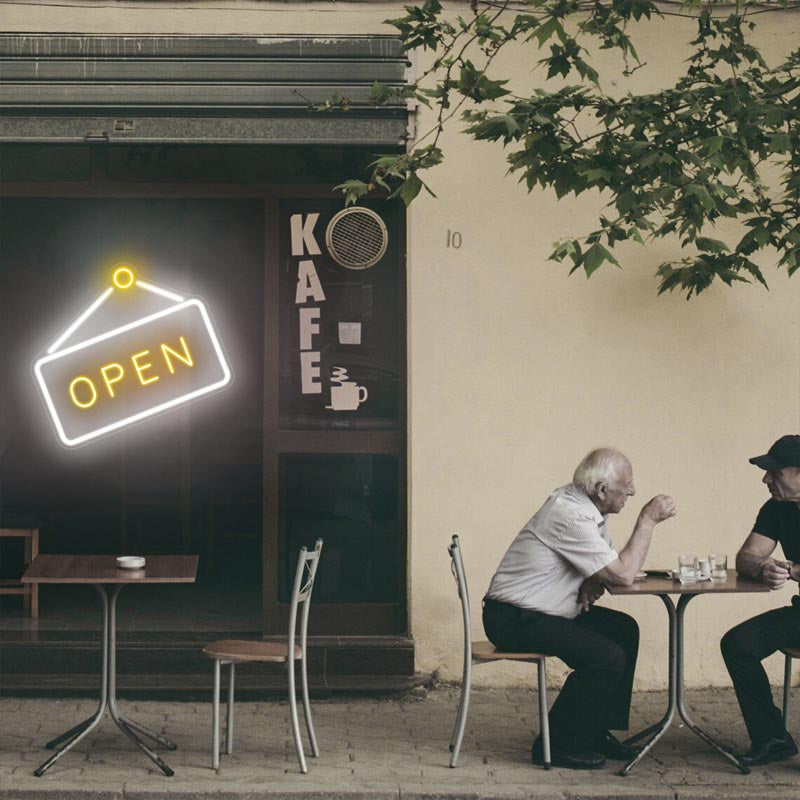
(206, 89)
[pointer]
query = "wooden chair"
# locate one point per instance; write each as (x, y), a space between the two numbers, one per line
(484, 653)
(29, 591)
(789, 653)
(232, 652)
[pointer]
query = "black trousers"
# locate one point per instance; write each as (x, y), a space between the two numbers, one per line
(743, 649)
(600, 645)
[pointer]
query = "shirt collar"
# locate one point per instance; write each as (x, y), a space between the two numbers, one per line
(584, 498)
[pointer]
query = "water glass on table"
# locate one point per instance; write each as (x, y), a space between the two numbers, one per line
(687, 568)
(719, 567)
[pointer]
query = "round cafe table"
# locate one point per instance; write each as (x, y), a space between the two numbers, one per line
(664, 588)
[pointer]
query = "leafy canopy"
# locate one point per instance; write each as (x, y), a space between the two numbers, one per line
(723, 141)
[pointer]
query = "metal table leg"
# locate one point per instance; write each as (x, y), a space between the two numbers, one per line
(124, 725)
(676, 647)
(74, 735)
(655, 732)
(108, 697)
(696, 729)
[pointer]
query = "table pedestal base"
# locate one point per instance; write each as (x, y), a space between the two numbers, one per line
(108, 698)
(655, 732)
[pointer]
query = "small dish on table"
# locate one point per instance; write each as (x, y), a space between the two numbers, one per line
(130, 562)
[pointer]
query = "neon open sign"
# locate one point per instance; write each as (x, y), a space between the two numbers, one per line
(124, 375)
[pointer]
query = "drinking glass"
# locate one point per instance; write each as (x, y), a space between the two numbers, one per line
(687, 568)
(719, 567)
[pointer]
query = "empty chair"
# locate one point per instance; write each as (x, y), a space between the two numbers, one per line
(789, 653)
(483, 653)
(233, 651)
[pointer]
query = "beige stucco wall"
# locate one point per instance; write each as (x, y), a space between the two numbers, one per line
(516, 369)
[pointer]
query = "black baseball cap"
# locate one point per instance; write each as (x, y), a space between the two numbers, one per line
(784, 453)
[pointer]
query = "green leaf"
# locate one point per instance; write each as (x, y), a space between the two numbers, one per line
(475, 84)
(780, 143)
(710, 245)
(702, 195)
(595, 257)
(379, 94)
(410, 188)
(352, 190)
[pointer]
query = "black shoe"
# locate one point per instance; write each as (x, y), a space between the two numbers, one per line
(568, 759)
(768, 751)
(612, 748)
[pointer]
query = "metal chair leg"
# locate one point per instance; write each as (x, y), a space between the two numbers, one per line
(544, 722)
(787, 689)
(307, 709)
(458, 717)
(215, 718)
(298, 742)
(229, 720)
(461, 717)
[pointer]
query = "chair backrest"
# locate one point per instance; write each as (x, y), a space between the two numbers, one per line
(457, 568)
(307, 563)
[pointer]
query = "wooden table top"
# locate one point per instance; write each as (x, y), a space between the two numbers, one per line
(103, 569)
(655, 585)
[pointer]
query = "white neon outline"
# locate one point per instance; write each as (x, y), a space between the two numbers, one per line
(150, 287)
(37, 368)
(98, 301)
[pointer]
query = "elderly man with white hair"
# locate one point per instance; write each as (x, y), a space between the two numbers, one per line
(541, 599)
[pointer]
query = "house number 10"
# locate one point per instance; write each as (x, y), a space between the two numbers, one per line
(454, 239)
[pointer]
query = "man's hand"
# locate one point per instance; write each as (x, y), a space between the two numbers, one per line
(661, 507)
(775, 573)
(591, 589)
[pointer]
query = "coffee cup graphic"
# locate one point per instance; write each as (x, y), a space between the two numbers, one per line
(345, 395)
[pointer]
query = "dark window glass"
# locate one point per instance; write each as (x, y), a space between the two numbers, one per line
(350, 502)
(37, 162)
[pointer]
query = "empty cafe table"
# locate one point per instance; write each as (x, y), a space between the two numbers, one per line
(663, 588)
(102, 573)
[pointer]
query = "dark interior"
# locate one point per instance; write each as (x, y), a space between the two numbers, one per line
(187, 482)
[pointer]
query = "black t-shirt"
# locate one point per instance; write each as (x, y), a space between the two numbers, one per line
(780, 520)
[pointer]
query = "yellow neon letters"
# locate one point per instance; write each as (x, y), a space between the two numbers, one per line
(140, 368)
(83, 390)
(186, 357)
(109, 381)
(75, 382)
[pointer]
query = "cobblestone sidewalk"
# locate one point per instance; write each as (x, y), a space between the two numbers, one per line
(375, 748)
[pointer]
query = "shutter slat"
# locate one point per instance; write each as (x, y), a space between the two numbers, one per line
(201, 70)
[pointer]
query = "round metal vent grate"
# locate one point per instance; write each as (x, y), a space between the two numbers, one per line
(356, 238)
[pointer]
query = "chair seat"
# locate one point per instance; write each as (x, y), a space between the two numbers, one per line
(794, 652)
(249, 650)
(486, 651)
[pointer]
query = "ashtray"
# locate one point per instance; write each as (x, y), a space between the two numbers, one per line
(130, 562)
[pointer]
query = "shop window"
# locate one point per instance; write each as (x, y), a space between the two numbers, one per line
(350, 501)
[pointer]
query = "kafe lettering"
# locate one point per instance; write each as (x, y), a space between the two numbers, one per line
(309, 287)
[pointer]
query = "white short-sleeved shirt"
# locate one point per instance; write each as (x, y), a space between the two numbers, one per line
(563, 543)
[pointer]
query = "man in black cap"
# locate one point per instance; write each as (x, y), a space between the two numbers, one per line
(744, 646)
